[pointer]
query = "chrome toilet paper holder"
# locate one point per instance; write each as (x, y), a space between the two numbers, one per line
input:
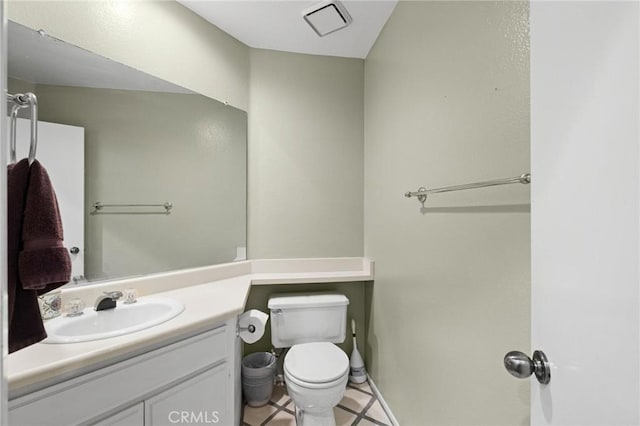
(250, 328)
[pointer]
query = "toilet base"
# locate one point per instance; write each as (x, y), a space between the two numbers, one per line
(325, 418)
(314, 407)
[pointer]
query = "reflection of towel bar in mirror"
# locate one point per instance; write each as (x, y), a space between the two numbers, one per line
(422, 193)
(98, 208)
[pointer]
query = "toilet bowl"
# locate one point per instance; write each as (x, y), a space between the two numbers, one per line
(316, 375)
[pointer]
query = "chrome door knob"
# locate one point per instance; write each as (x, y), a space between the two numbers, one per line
(521, 366)
(74, 250)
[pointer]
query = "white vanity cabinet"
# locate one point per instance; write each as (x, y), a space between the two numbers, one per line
(194, 381)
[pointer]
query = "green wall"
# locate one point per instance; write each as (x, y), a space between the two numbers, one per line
(447, 103)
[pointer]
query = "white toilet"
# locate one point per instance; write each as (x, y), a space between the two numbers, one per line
(315, 370)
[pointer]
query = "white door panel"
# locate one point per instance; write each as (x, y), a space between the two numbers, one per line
(585, 211)
(61, 152)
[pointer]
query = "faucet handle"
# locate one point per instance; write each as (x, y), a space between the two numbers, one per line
(74, 307)
(130, 295)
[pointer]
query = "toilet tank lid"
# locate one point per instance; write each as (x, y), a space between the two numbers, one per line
(302, 300)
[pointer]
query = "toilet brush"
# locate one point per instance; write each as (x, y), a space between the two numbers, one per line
(357, 374)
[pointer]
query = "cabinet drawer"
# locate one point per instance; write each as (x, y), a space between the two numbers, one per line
(84, 398)
(201, 400)
(132, 416)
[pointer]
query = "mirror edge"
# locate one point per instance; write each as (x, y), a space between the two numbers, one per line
(3, 216)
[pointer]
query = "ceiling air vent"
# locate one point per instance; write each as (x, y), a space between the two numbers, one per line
(327, 17)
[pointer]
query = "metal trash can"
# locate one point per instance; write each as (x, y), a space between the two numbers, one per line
(258, 373)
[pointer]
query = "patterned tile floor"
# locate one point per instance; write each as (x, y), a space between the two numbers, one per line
(358, 407)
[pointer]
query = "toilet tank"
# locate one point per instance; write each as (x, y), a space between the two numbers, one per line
(305, 318)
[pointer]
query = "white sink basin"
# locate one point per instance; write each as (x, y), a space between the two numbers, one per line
(124, 319)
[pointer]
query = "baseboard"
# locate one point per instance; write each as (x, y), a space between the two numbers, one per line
(383, 403)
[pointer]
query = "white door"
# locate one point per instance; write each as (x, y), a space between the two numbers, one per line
(585, 211)
(61, 152)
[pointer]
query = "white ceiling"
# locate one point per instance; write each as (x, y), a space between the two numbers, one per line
(279, 25)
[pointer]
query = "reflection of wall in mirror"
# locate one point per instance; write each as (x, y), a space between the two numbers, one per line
(148, 147)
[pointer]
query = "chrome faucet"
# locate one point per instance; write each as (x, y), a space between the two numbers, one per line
(107, 300)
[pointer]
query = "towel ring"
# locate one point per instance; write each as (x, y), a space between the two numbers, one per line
(20, 101)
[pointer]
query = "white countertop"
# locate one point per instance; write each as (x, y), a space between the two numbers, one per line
(211, 295)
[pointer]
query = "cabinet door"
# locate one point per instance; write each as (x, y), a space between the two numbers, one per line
(201, 400)
(132, 416)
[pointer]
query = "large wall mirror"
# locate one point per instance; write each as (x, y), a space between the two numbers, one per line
(150, 177)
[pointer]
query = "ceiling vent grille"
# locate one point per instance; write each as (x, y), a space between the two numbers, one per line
(327, 17)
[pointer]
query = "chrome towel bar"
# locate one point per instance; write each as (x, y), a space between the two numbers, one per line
(422, 192)
(98, 207)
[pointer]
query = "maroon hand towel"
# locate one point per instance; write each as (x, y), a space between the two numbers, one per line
(25, 323)
(44, 262)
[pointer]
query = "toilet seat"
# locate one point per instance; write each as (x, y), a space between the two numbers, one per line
(316, 365)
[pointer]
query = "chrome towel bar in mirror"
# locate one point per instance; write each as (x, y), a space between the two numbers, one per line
(98, 207)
